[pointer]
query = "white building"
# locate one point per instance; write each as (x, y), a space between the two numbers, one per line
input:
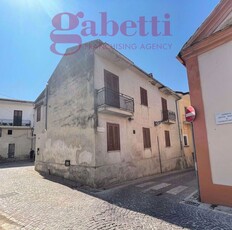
(16, 133)
(102, 120)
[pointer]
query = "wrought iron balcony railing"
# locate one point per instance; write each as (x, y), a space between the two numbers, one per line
(169, 116)
(108, 97)
(10, 122)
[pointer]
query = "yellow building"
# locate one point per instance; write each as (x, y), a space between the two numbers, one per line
(185, 128)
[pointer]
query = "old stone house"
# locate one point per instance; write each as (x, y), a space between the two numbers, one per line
(102, 120)
(16, 129)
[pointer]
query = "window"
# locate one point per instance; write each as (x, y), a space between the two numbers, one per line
(0, 132)
(18, 118)
(113, 137)
(38, 117)
(111, 81)
(112, 89)
(164, 109)
(167, 138)
(143, 95)
(10, 132)
(146, 138)
(186, 140)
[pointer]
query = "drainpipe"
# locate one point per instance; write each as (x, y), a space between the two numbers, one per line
(180, 136)
(160, 162)
(46, 108)
(32, 138)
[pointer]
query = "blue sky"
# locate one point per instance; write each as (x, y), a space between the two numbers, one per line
(26, 59)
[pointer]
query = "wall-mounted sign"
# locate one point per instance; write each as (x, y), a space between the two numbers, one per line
(100, 129)
(223, 118)
(190, 114)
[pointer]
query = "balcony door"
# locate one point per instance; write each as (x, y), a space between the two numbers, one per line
(112, 96)
(18, 118)
(164, 109)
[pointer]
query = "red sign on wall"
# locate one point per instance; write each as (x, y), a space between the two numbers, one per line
(190, 114)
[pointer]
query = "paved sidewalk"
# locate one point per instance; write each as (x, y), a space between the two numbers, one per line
(29, 201)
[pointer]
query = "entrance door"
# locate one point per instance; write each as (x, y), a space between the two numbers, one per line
(112, 97)
(11, 150)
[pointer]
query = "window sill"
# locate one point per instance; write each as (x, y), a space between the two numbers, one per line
(144, 105)
(111, 151)
(186, 146)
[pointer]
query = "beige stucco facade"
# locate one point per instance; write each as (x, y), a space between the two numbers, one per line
(18, 138)
(186, 129)
(76, 127)
(216, 87)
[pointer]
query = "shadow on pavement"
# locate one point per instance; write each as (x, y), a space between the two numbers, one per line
(16, 164)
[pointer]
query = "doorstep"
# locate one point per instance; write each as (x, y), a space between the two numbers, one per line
(193, 201)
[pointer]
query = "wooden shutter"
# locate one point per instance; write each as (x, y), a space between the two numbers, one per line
(17, 118)
(146, 138)
(112, 96)
(38, 114)
(113, 137)
(116, 137)
(111, 81)
(164, 104)
(167, 138)
(164, 109)
(109, 137)
(143, 95)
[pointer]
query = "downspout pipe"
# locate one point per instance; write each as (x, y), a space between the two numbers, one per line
(46, 108)
(178, 119)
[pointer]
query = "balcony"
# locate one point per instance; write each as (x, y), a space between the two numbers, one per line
(109, 101)
(10, 122)
(169, 117)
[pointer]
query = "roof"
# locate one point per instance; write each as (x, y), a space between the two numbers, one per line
(97, 44)
(182, 93)
(219, 20)
(41, 96)
(153, 81)
(15, 100)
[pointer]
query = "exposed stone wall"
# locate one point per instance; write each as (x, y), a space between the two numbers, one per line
(70, 119)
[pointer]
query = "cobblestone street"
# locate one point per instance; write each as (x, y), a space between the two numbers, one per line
(29, 201)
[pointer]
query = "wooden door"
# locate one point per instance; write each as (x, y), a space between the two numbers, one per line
(11, 150)
(112, 96)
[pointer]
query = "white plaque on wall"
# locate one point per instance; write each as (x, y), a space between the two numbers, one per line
(223, 118)
(100, 129)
